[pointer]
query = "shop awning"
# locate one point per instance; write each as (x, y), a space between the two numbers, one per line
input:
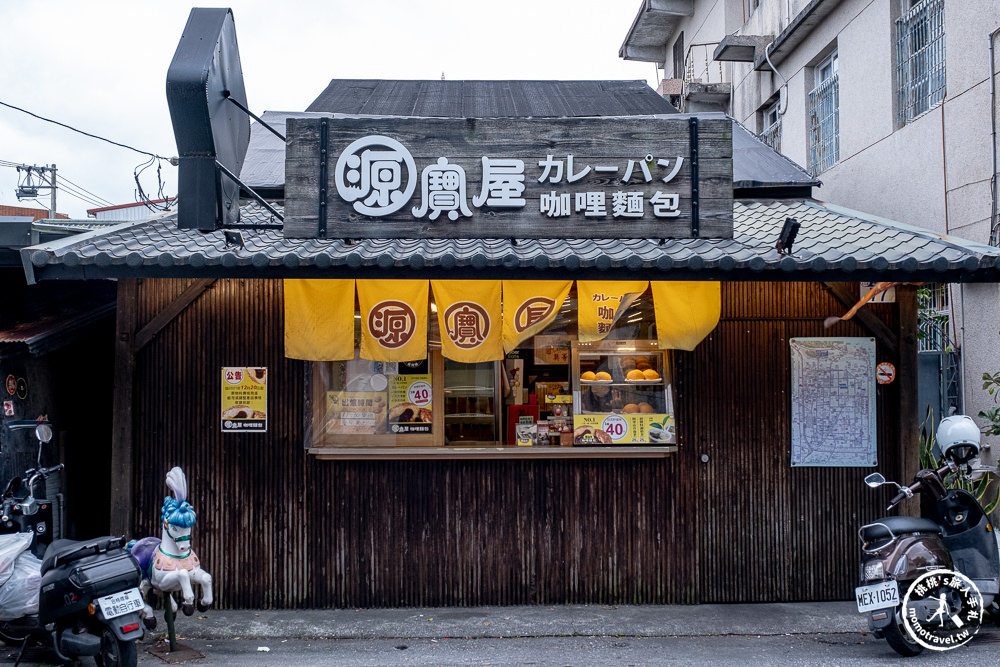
(833, 244)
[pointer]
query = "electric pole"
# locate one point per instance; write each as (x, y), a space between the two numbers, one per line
(29, 190)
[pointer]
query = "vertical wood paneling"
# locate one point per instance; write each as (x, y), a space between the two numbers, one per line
(769, 531)
(279, 529)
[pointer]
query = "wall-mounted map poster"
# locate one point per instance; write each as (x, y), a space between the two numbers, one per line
(833, 402)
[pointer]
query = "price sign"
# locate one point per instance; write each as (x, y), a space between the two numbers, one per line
(615, 426)
(419, 393)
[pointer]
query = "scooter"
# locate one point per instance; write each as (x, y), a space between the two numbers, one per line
(88, 598)
(22, 511)
(956, 535)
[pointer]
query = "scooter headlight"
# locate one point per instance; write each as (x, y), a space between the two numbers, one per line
(874, 570)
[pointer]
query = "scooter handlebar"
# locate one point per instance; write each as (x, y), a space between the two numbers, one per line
(904, 493)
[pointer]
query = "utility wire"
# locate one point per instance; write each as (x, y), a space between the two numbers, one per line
(63, 178)
(84, 198)
(93, 136)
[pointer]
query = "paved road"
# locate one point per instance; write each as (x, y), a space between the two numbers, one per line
(840, 649)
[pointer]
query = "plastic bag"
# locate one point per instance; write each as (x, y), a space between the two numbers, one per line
(19, 596)
(11, 546)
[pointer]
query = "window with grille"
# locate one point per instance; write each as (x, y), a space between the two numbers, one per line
(920, 72)
(824, 117)
(770, 121)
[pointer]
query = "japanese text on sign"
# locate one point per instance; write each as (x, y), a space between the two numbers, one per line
(377, 176)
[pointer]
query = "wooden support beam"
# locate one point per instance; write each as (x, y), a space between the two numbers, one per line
(906, 380)
(168, 314)
(122, 487)
(869, 320)
(128, 343)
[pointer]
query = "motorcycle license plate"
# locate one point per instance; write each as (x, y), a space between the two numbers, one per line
(119, 604)
(877, 596)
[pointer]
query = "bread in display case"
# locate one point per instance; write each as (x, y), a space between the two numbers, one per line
(622, 394)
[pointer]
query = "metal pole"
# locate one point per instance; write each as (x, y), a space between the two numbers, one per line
(52, 194)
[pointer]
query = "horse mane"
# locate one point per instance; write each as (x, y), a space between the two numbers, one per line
(178, 513)
(177, 510)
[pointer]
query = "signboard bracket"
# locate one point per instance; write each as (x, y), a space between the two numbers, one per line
(324, 128)
(693, 134)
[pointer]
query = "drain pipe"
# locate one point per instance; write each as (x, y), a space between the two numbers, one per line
(994, 241)
(783, 90)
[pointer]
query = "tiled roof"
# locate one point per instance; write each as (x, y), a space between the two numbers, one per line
(832, 244)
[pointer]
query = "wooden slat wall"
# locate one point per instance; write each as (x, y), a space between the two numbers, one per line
(768, 532)
(279, 529)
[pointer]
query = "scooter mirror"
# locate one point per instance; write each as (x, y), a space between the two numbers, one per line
(44, 432)
(875, 480)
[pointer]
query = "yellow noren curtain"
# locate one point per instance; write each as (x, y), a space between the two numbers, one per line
(319, 319)
(393, 319)
(529, 306)
(599, 304)
(686, 312)
(469, 318)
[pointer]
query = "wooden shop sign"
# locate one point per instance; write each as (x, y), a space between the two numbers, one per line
(628, 177)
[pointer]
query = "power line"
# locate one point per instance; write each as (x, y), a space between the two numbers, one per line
(74, 193)
(88, 134)
(62, 178)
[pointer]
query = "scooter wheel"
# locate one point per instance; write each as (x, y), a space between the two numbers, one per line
(900, 640)
(115, 652)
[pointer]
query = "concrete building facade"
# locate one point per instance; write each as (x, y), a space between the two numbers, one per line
(890, 103)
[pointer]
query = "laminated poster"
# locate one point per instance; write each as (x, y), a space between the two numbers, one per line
(623, 429)
(244, 399)
(355, 412)
(410, 409)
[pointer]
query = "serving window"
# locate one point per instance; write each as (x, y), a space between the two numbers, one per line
(553, 396)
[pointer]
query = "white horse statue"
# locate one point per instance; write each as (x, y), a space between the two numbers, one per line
(168, 563)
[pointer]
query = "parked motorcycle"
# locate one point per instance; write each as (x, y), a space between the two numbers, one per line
(955, 535)
(81, 599)
(22, 510)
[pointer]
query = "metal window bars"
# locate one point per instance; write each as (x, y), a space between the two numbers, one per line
(771, 135)
(920, 60)
(699, 67)
(824, 126)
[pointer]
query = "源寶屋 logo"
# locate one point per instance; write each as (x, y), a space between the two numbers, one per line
(467, 324)
(942, 610)
(392, 323)
(377, 174)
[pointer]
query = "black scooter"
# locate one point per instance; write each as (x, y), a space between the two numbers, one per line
(955, 535)
(89, 600)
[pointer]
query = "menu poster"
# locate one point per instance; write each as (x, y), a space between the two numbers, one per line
(623, 429)
(244, 399)
(355, 412)
(410, 409)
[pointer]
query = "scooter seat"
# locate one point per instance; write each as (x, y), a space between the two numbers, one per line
(64, 550)
(898, 525)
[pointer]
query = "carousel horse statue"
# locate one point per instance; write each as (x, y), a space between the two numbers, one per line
(168, 563)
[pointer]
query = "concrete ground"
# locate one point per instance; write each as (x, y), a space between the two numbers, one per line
(539, 621)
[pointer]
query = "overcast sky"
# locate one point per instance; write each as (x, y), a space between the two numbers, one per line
(101, 65)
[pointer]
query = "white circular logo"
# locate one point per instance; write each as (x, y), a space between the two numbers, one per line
(419, 393)
(370, 175)
(615, 426)
(942, 610)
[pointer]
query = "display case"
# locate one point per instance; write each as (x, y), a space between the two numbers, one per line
(622, 394)
(470, 403)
